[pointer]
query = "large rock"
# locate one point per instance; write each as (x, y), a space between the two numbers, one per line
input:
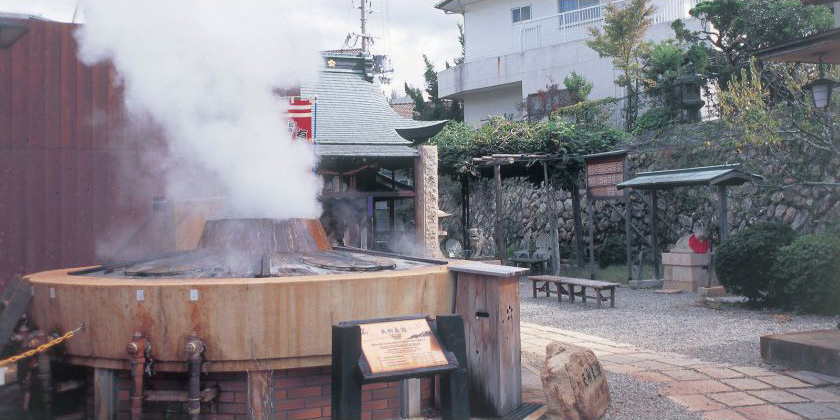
(575, 385)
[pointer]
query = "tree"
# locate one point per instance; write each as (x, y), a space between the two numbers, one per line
(746, 106)
(462, 39)
(735, 29)
(430, 107)
(664, 63)
(579, 88)
(622, 39)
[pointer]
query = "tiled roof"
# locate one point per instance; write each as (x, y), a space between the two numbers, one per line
(708, 175)
(354, 113)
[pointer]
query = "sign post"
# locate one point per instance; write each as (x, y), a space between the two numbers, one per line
(603, 172)
(385, 350)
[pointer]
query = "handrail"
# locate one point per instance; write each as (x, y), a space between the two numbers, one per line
(573, 25)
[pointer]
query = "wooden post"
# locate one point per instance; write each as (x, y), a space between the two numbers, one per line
(724, 224)
(500, 236)
(488, 302)
(465, 210)
(628, 220)
(260, 394)
(410, 398)
(578, 224)
(105, 394)
(552, 207)
(346, 383)
(654, 249)
(590, 214)
(454, 392)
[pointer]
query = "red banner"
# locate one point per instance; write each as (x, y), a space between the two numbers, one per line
(301, 118)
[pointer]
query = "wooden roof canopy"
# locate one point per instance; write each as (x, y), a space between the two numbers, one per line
(823, 47)
(723, 175)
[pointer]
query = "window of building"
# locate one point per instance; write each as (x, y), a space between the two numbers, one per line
(521, 13)
(564, 6)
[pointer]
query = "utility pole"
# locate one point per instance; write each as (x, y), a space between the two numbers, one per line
(363, 8)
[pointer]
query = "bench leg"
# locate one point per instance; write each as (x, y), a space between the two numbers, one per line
(583, 293)
(559, 291)
(571, 293)
(598, 298)
(547, 289)
(534, 287)
(612, 298)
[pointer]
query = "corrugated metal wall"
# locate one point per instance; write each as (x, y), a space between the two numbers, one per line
(66, 147)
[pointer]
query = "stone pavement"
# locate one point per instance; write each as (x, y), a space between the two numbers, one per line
(715, 390)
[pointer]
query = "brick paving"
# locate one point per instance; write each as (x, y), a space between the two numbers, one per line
(717, 391)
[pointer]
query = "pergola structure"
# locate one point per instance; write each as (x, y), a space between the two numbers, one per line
(496, 161)
(719, 177)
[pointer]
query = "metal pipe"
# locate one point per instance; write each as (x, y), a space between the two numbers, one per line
(138, 348)
(195, 350)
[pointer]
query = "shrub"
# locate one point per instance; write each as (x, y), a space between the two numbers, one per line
(612, 251)
(808, 274)
(653, 119)
(744, 262)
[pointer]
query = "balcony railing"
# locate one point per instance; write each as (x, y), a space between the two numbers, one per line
(574, 25)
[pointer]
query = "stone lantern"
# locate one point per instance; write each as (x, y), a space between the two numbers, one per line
(690, 98)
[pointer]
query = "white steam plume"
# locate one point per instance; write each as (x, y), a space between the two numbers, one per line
(204, 72)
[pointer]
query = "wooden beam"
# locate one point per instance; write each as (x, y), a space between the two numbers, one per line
(552, 206)
(654, 249)
(628, 222)
(578, 225)
(365, 194)
(260, 394)
(724, 224)
(105, 394)
(590, 214)
(500, 236)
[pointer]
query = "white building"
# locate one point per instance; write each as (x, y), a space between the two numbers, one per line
(516, 47)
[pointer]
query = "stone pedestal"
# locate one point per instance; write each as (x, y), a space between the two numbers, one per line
(687, 271)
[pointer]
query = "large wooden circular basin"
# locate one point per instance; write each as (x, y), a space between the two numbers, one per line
(246, 323)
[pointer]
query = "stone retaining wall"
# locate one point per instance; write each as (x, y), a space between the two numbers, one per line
(807, 208)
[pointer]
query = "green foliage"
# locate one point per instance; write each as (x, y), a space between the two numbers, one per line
(744, 262)
(462, 39)
(622, 39)
(612, 251)
(579, 88)
(653, 119)
(808, 273)
(738, 28)
(458, 143)
(430, 107)
(743, 106)
(664, 63)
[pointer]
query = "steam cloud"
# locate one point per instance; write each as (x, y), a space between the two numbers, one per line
(205, 73)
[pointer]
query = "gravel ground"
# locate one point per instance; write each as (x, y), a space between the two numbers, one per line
(672, 323)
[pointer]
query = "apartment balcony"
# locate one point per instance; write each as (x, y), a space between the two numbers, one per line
(551, 42)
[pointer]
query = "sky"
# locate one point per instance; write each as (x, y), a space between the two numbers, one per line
(405, 29)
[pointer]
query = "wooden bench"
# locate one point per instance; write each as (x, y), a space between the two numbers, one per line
(566, 286)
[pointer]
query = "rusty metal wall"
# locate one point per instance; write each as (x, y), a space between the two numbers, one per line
(65, 148)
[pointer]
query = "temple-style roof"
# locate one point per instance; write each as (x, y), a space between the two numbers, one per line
(353, 117)
(823, 47)
(708, 175)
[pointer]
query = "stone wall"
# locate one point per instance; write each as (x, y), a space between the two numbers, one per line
(806, 207)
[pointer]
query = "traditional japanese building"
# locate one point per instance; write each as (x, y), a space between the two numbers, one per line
(380, 181)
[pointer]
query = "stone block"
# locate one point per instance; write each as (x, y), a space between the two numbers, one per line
(645, 284)
(713, 291)
(575, 385)
(685, 259)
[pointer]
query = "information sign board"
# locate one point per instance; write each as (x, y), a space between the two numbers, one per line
(401, 345)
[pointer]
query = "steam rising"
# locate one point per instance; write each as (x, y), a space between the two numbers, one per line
(205, 73)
